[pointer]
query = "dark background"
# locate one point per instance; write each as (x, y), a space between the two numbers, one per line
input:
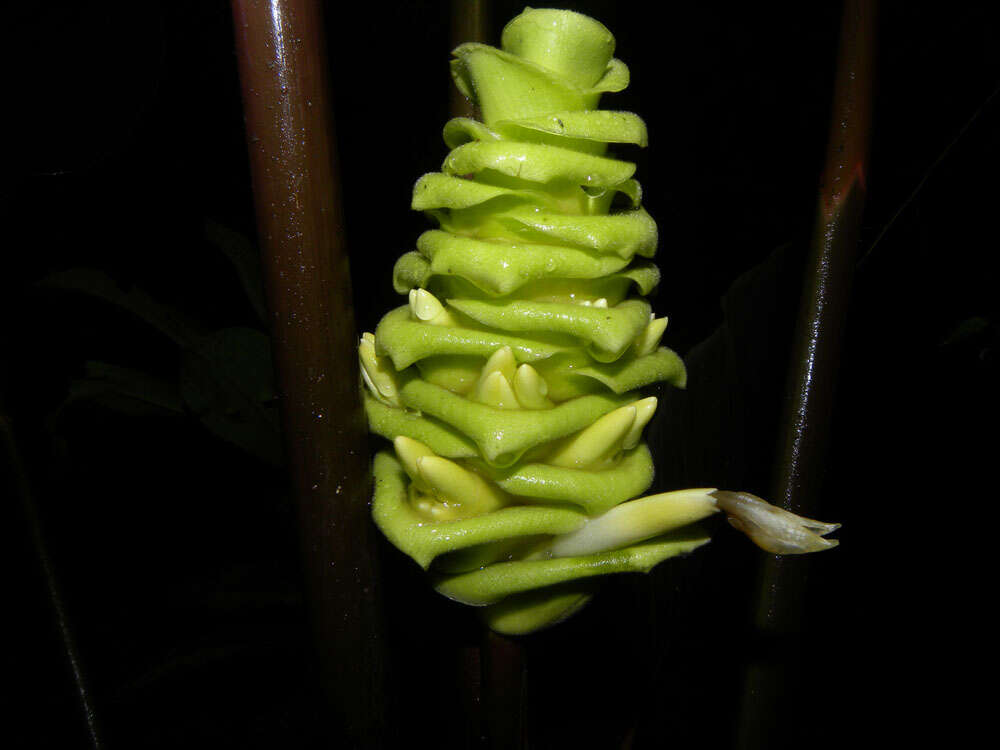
(175, 551)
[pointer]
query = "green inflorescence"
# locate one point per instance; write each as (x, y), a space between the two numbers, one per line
(509, 383)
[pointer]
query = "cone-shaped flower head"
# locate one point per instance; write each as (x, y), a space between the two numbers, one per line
(510, 383)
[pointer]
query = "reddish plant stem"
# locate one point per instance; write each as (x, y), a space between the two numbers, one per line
(815, 362)
(283, 74)
(470, 22)
(15, 485)
(823, 310)
(504, 692)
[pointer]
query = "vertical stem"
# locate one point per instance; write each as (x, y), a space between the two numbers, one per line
(283, 74)
(799, 474)
(18, 486)
(504, 692)
(469, 23)
(826, 296)
(502, 685)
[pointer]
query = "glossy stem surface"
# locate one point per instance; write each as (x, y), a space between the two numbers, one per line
(470, 22)
(815, 363)
(283, 74)
(14, 484)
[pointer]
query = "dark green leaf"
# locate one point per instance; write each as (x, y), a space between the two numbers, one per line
(966, 330)
(244, 256)
(125, 390)
(228, 383)
(168, 321)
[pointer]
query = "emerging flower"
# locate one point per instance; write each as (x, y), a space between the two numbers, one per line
(771, 528)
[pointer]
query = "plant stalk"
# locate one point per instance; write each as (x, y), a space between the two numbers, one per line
(501, 687)
(815, 364)
(281, 50)
(499, 691)
(17, 485)
(470, 22)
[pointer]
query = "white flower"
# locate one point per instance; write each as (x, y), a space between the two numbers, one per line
(773, 529)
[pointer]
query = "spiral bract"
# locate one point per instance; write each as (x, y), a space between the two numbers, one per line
(509, 382)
